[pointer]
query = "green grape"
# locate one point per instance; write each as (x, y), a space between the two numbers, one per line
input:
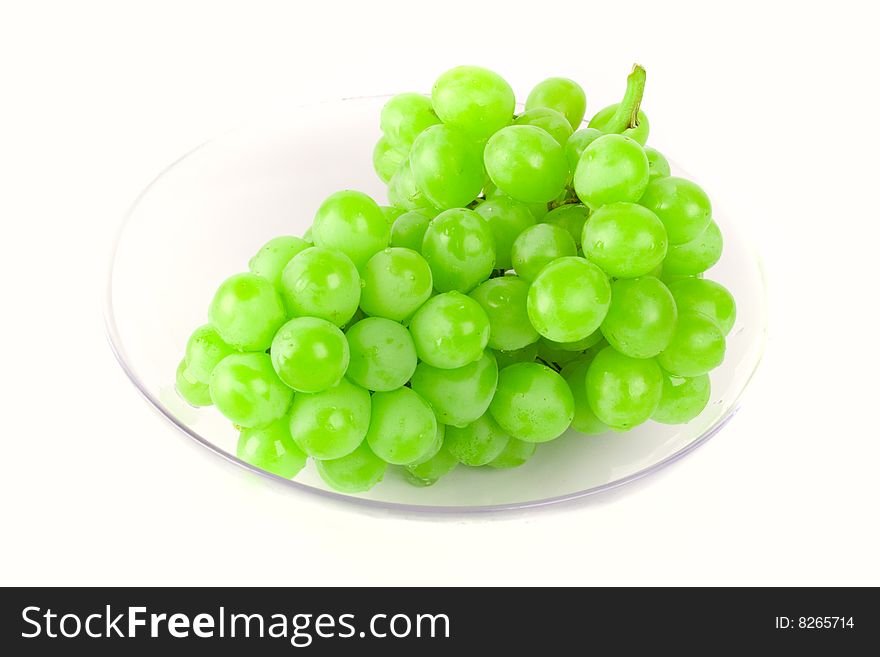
(307, 237)
(539, 210)
(460, 249)
(450, 330)
(204, 349)
(246, 311)
(404, 117)
(668, 279)
(532, 402)
(427, 473)
(585, 420)
(322, 283)
(560, 94)
(447, 167)
(504, 300)
(612, 169)
(623, 391)
(310, 354)
(537, 246)
(507, 219)
(331, 423)
(697, 346)
(246, 389)
(525, 355)
(707, 297)
(396, 282)
(193, 391)
(595, 349)
(474, 100)
(461, 395)
(386, 159)
(271, 448)
(592, 339)
(526, 163)
(356, 472)
(435, 447)
(402, 426)
(391, 213)
(555, 123)
(403, 191)
(383, 356)
(409, 229)
(515, 453)
(571, 217)
(477, 443)
(696, 256)
(353, 223)
(568, 299)
(550, 353)
(358, 316)
(641, 318)
(603, 117)
(576, 144)
(625, 240)
(682, 206)
(271, 260)
(657, 164)
(683, 399)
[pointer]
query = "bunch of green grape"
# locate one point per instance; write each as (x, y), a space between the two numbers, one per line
(529, 275)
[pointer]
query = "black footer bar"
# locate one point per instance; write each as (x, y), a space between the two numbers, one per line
(428, 621)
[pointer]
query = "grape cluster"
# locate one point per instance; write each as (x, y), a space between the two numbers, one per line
(529, 276)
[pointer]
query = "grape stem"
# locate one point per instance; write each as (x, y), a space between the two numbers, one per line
(627, 113)
(552, 366)
(569, 199)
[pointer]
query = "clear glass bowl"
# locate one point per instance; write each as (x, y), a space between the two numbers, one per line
(202, 219)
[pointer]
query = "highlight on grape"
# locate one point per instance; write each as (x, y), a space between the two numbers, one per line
(530, 275)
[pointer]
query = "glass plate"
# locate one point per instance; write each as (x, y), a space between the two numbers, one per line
(203, 218)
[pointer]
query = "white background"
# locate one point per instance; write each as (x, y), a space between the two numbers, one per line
(773, 106)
